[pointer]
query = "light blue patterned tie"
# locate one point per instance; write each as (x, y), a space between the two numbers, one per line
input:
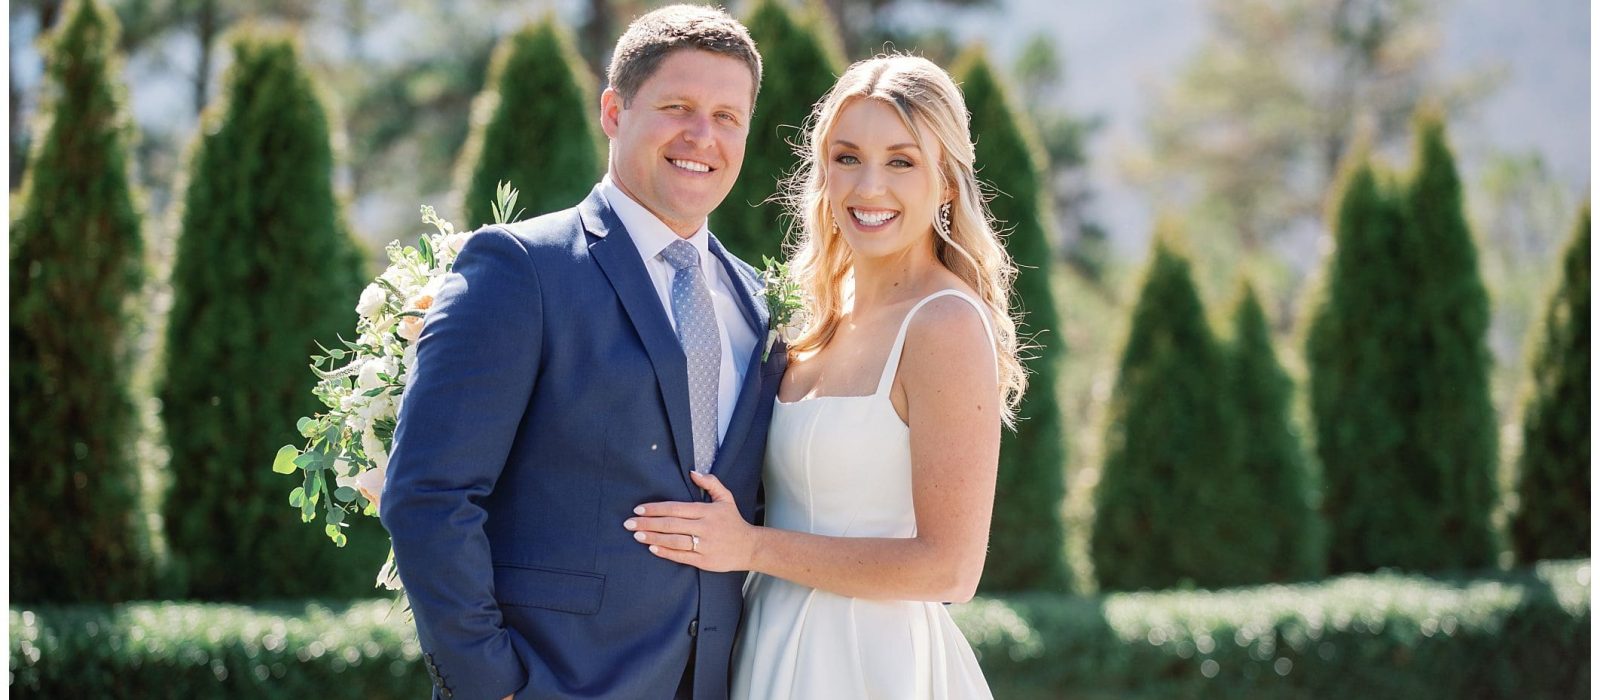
(702, 346)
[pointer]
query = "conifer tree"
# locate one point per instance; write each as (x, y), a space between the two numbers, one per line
(1166, 508)
(1026, 539)
(1452, 432)
(265, 268)
(1399, 373)
(1553, 477)
(76, 263)
(533, 126)
(1284, 542)
(802, 59)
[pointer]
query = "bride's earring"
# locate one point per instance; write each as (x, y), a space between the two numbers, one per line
(941, 223)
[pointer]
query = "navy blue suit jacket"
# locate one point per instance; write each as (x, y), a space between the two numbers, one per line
(550, 397)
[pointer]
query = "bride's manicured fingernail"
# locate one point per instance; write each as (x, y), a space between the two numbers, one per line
(638, 510)
(629, 523)
(640, 537)
(654, 549)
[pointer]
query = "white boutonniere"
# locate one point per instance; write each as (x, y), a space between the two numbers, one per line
(785, 306)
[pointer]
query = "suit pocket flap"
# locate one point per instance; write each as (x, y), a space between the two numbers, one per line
(567, 591)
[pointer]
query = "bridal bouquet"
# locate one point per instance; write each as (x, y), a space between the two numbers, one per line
(343, 461)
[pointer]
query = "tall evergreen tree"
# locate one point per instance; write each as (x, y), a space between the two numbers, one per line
(1399, 374)
(1452, 432)
(76, 262)
(264, 267)
(802, 59)
(1553, 471)
(533, 126)
(1026, 539)
(1353, 349)
(1285, 542)
(1166, 509)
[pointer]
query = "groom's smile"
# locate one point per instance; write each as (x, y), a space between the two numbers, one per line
(677, 143)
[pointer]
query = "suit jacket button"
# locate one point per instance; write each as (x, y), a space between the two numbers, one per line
(694, 628)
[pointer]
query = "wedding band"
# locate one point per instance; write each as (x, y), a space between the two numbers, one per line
(694, 543)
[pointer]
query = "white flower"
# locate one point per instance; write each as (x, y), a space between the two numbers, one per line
(368, 379)
(789, 333)
(408, 360)
(456, 242)
(372, 299)
(371, 445)
(387, 576)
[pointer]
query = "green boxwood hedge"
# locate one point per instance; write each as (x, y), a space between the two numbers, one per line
(1522, 634)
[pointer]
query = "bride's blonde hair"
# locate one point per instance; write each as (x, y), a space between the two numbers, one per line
(821, 262)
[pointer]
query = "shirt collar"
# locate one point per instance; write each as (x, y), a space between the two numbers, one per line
(647, 231)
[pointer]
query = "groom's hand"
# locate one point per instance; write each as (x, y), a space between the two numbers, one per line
(708, 536)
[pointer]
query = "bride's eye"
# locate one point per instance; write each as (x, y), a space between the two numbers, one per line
(846, 159)
(901, 163)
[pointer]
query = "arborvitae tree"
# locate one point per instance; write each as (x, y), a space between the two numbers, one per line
(1399, 374)
(1357, 379)
(1553, 472)
(1452, 431)
(76, 262)
(802, 59)
(265, 268)
(533, 126)
(1167, 509)
(1026, 539)
(1284, 541)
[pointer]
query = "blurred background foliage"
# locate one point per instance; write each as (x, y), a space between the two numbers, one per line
(1356, 340)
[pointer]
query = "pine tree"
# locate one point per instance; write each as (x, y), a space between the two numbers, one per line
(265, 266)
(802, 59)
(1453, 432)
(533, 126)
(1553, 472)
(1166, 505)
(1026, 539)
(76, 263)
(1399, 374)
(1284, 542)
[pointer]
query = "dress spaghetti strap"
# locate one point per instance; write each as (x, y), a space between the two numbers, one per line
(892, 364)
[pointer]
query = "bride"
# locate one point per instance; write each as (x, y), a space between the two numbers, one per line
(881, 462)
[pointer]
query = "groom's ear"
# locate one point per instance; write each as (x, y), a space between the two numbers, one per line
(610, 111)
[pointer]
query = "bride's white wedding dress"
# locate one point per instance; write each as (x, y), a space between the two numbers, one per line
(841, 466)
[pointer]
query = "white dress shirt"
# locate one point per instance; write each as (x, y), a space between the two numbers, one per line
(738, 338)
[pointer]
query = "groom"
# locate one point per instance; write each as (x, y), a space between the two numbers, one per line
(579, 364)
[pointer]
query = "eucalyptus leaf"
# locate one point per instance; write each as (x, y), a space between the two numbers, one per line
(297, 497)
(345, 494)
(285, 462)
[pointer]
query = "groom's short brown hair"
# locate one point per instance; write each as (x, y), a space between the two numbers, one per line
(655, 35)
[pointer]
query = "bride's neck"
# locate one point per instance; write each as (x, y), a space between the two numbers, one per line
(891, 279)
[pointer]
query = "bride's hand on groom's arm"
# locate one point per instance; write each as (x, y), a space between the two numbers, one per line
(709, 536)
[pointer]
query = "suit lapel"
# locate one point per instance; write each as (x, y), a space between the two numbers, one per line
(618, 258)
(755, 313)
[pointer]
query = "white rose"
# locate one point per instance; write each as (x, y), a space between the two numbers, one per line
(371, 300)
(370, 483)
(371, 445)
(368, 379)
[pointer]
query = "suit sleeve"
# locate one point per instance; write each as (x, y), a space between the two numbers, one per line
(476, 362)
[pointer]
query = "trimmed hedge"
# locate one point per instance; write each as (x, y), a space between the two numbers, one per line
(1523, 634)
